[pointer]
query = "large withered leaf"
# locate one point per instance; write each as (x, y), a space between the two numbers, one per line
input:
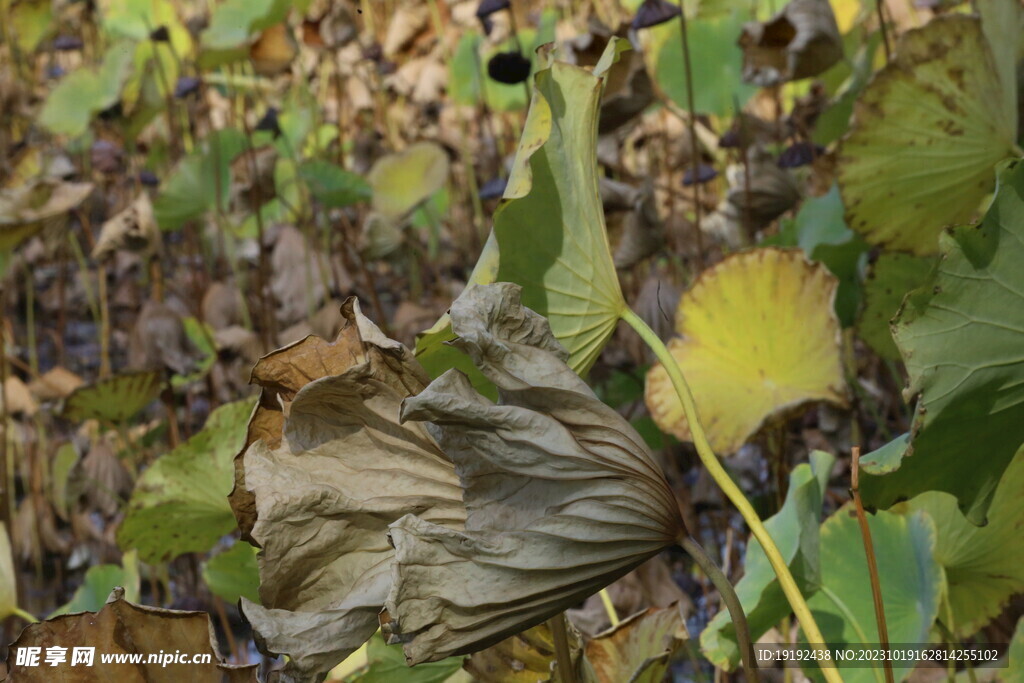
(801, 41)
(327, 483)
(562, 496)
(126, 629)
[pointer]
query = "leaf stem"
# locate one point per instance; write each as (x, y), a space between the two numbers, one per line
(22, 614)
(869, 551)
(731, 490)
(609, 607)
(731, 600)
(563, 656)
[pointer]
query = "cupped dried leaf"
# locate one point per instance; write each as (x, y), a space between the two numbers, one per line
(133, 229)
(801, 41)
(639, 648)
(55, 383)
(328, 468)
(759, 339)
(562, 496)
(126, 629)
(159, 341)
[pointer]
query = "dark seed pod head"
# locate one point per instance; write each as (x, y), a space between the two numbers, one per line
(488, 7)
(55, 71)
(654, 12)
(186, 85)
(67, 43)
(160, 35)
(269, 122)
(148, 178)
(487, 24)
(374, 52)
(799, 154)
(509, 67)
(705, 174)
(730, 139)
(493, 188)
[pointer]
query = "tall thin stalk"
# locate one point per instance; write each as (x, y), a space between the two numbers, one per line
(694, 144)
(731, 490)
(869, 551)
(563, 655)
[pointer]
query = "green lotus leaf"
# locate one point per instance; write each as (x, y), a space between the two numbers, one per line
(961, 336)
(332, 185)
(984, 565)
(910, 578)
(795, 528)
(180, 504)
(85, 92)
(234, 573)
(890, 278)
(404, 180)
(99, 580)
(926, 133)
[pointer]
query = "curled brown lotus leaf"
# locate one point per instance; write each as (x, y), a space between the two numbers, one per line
(328, 470)
(562, 495)
(527, 657)
(801, 41)
(126, 629)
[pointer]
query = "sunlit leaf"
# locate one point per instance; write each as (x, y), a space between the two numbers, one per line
(113, 400)
(387, 665)
(911, 581)
(961, 336)
(759, 340)
(926, 133)
(403, 180)
(31, 22)
(795, 529)
(120, 630)
(233, 574)
(984, 565)
(180, 503)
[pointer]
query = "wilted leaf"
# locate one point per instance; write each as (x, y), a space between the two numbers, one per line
(133, 229)
(795, 530)
(158, 341)
(403, 180)
(327, 469)
(960, 336)
(639, 648)
(562, 496)
(911, 582)
(273, 51)
(233, 574)
(113, 400)
(759, 340)
(180, 503)
(233, 24)
(801, 41)
(889, 280)
(984, 565)
(526, 657)
(25, 209)
(126, 629)
(57, 382)
(926, 133)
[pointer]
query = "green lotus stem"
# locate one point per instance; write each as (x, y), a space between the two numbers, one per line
(563, 653)
(22, 614)
(731, 490)
(609, 607)
(731, 600)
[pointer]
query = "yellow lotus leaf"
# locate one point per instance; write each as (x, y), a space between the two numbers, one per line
(759, 339)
